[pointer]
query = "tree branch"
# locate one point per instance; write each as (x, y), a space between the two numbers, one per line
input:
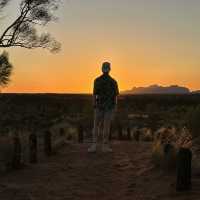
(22, 32)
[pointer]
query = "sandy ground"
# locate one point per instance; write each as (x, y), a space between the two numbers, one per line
(73, 174)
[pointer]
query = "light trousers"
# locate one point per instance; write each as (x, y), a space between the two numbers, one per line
(102, 123)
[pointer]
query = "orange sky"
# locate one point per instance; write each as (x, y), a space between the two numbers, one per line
(147, 43)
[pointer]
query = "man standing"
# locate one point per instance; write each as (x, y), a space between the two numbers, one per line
(105, 100)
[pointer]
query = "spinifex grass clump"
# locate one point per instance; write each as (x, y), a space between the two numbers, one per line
(185, 139)
(147, 135)
(164, 150)
(167, 145)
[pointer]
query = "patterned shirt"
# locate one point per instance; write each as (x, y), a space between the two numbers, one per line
(106, 89)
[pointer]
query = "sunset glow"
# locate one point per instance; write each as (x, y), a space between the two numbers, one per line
(147, 42)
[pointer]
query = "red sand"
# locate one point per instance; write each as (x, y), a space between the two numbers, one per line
(73, 174)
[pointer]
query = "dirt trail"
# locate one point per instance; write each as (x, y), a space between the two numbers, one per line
(73, 174)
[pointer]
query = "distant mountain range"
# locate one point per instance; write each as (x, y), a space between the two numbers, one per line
(157, 89)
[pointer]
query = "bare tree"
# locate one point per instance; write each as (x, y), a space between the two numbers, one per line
(23, 31)
(5, 69)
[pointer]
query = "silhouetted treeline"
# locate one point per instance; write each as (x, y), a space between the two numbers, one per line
(42, 109)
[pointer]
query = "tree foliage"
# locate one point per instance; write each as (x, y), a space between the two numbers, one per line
(5, 69)
(23, 31)
(3, 3)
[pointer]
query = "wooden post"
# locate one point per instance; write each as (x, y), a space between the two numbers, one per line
(169, 156)
(111, 132)
(33, 158)
(120, 132)
(128, 133)
(47, 143)
(137, 135)
(62, 132)
(184, 159)
(17, 152)
(80, 134)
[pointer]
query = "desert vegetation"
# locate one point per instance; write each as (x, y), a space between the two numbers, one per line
(152, 129)
(146, 114)
(158, 119)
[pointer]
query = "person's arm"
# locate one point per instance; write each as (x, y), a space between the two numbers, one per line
(94, 100)
(117, 93)
(116, 100)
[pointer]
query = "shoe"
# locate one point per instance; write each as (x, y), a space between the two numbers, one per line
(92, 149)
(106, 148)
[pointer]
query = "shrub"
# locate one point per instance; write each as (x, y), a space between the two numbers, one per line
(192, 121)
(147, 135)
(164, 151)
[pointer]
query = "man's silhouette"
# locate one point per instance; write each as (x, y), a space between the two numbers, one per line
(105, 100)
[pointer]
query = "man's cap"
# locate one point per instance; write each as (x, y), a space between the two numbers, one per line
(106, 67)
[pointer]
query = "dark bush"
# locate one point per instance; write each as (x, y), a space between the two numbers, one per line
(193, 121)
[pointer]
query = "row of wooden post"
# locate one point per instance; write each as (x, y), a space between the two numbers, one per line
(121, 136)
(33, 144)
(33, 149)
